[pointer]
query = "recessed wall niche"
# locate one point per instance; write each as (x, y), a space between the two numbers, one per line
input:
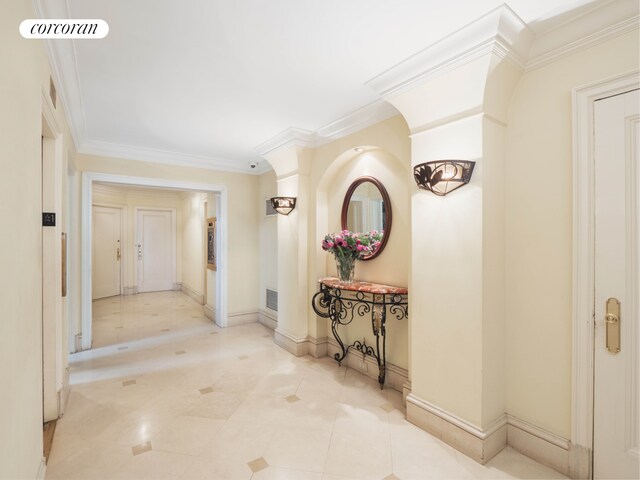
(392, 265)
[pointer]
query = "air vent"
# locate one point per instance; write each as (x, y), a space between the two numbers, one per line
(268, 208)
(272, 300)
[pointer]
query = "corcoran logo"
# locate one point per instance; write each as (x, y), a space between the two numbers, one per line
(64, 28)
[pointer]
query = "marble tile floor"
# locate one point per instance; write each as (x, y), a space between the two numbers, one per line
(172, 396)
(121, 319)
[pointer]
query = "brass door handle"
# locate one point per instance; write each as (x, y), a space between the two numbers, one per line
(612, 325)
(118, 254)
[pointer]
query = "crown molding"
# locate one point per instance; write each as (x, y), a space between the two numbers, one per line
(375, 112)
(289, 137)
(503, 33)
(584, 30)
(370, 114)
(500, 31)
(166, 157)
(64, 70)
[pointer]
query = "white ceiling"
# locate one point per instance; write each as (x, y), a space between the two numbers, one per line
(216, 78)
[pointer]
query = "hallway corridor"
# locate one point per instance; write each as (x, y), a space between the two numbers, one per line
(121, 319)
(166, 394)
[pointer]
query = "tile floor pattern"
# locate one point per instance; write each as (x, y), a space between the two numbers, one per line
(236, 406)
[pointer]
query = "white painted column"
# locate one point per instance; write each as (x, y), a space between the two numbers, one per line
(457, 296)
(456, 107)
(290, 164)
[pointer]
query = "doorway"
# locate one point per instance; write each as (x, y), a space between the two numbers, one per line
(107, 251)
(88, 180)
(54, 358)
(598, 244)
(617, 166)
(156, 249)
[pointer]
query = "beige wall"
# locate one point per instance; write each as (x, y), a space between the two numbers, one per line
(538, 219)
(268, 253)
(129, 200)
(539, 231)
(447, 255)
(333, 168)
(23, 76)
(242, 222)
(392, 266)
(212, 275)
(192, 231)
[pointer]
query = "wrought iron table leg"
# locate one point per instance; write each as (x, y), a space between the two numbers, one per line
(329, 303)
(337, 356)
(380, 331)
(382, 362)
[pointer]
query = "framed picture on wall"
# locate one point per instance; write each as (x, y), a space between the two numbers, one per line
(211, 243)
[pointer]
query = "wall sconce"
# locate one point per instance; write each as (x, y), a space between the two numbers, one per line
(443, 176)
(283, 205)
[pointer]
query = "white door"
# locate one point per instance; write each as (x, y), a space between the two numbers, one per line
(155, 253)
(106, 251)
(617, 170)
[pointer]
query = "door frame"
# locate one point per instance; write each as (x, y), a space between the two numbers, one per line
(88, 178)
(53, 337)
(123, 225)
(584, 251)
(205, 207)
(174, 242)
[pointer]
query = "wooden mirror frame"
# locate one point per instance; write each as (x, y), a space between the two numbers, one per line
(387, 203)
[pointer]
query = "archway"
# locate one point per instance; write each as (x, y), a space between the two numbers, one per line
(391, 267)
(87, 184)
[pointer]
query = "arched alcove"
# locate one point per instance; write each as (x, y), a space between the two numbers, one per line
(392, 266)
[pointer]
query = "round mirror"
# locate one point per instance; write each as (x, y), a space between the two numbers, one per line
(366, 207)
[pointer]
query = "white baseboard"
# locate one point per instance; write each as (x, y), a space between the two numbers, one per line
(549, 449)
(42, 469)
(301, 346)
(580, 462)
(483, 444)
(395, 376)
(406, 390)
(241, 318)
(296, 346)
(318, 347)
(130, 290)
(268, 318)
(478, 444)
(197, 296)
(210, 312)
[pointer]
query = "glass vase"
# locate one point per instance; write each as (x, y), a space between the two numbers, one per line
(345, 267)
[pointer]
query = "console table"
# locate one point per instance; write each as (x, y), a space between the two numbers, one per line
(341, 303)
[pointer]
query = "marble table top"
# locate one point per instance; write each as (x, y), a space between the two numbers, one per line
(367, 287)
